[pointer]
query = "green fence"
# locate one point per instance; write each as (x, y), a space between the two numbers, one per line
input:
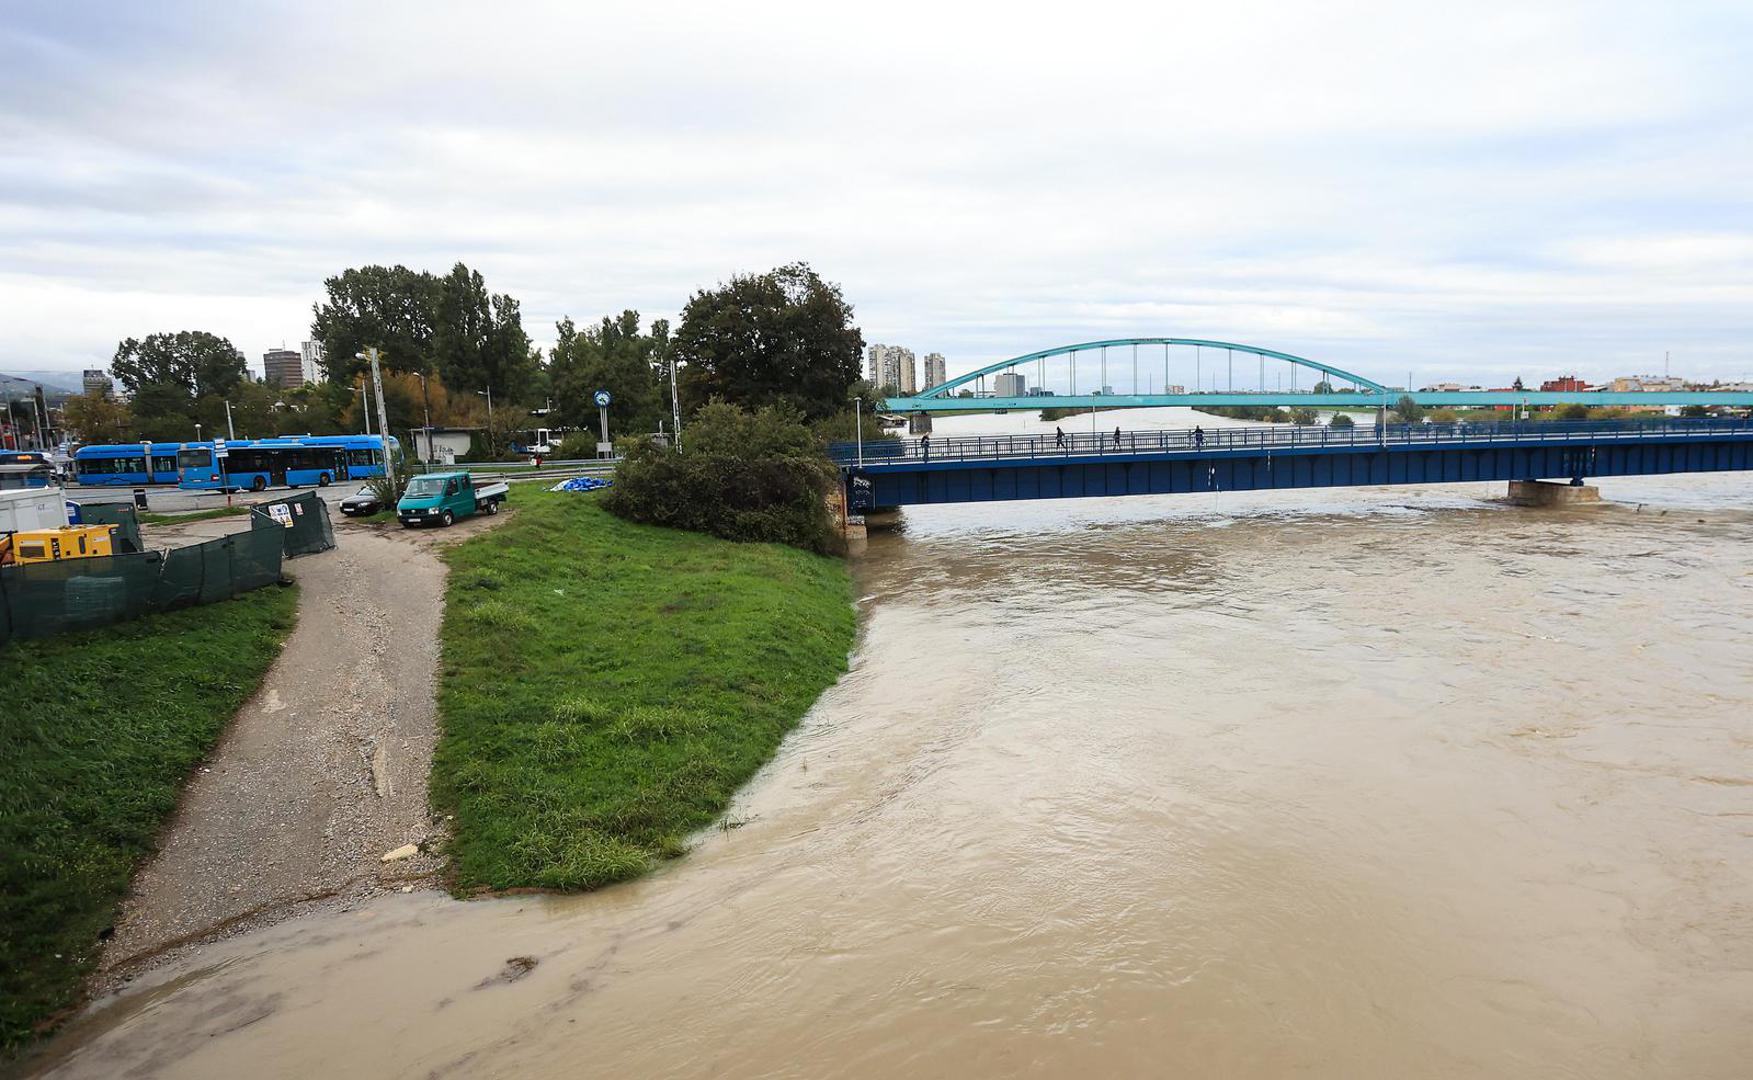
(39, 599)
(303, 521)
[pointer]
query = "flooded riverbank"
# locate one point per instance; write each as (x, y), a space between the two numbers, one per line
(1388, 782)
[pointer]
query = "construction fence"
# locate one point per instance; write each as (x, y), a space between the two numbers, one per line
(40, 599)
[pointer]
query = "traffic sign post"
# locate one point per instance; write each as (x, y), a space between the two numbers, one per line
(604, 447)
(219, 455)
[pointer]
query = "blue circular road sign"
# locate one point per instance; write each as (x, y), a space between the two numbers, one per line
(602, 399)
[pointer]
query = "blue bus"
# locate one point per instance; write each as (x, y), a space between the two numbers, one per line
(26, 469)
(287, 461)
(127, 464)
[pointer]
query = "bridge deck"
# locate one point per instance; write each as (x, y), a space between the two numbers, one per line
(988, 467)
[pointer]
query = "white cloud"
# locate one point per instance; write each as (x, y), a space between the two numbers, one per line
(1468, 189)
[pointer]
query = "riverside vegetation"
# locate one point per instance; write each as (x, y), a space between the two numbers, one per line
(607, 686)
(100, 731)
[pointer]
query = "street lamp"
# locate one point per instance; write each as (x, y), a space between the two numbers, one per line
(488, 394)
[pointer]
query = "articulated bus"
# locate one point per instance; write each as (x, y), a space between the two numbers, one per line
(126, 464)
(288, 461)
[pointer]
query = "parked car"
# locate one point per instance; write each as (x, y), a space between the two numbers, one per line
(361, 503)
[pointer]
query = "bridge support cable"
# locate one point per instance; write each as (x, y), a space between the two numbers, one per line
(1231, 385)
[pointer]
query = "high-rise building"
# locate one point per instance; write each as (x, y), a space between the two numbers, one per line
(97, 381)
(936, 373)
(1010, 384)
(283, 368)
(892, 365)
(310, 358)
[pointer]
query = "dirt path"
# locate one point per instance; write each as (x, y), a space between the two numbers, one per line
(323, 772)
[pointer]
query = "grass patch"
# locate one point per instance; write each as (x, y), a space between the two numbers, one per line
(608, 686)
(98, 731)
(195, 515)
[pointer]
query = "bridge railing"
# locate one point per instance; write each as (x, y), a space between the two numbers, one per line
(1271, 437)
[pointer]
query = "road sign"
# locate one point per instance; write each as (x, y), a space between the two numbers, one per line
(219, 449)
(602, 399)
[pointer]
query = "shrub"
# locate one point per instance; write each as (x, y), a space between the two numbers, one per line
(1576, 410)
(1303, 416)
(1341, 420)
(386, 491)
(757, 476)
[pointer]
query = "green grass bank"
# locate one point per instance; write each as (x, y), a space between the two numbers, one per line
(608, 686)
(98, 731)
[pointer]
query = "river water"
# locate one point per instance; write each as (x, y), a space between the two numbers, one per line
(1370, 783)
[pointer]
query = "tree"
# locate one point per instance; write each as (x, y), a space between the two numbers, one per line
(1323, 387)
(1341, 421)
(478, 341)
(1407, 411)
(1694, 412)
(1304, 416)
(614, 356)
(391, 307)
(168, 374)
(757, 476)
(98, 418)
(783, 337)
(1574, 410)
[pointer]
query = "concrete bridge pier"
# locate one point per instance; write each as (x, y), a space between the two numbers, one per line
(1551, 493)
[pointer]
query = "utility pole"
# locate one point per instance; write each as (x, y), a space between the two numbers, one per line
(372, 353)
(426, 409)
(365, 404)
(675, 402)
(230, 432)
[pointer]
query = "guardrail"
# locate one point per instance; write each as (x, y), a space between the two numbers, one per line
(1270, 437)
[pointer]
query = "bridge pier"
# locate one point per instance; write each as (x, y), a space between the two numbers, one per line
(1551, 493)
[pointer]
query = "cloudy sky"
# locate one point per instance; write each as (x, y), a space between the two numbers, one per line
(1467, 191)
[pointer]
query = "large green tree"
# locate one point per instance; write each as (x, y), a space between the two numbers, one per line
(614, 356)
(783, 337)
(167, 375)
(478, 339)
(391, 307)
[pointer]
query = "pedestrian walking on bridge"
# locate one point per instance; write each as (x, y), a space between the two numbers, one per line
(1198, 436)
(1116, 438)
(1059, 438)
(925, 445)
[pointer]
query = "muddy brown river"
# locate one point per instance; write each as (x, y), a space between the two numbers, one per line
(1372, 783)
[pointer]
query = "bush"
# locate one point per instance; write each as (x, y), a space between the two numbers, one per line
(578, 446)
(1303, 416)
(1576, 410)
(1341, 420)
(387, 492)
(746, 476)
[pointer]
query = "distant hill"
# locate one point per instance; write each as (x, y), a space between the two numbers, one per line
(54, 383)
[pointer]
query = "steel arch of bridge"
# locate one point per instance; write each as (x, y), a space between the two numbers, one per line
(945, 389)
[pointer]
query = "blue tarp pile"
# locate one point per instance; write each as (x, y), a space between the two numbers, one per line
(581, 483)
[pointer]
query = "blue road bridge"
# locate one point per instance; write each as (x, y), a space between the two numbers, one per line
(892, 473)
(1135, 373)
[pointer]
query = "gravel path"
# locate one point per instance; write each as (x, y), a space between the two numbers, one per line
(323, 772)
